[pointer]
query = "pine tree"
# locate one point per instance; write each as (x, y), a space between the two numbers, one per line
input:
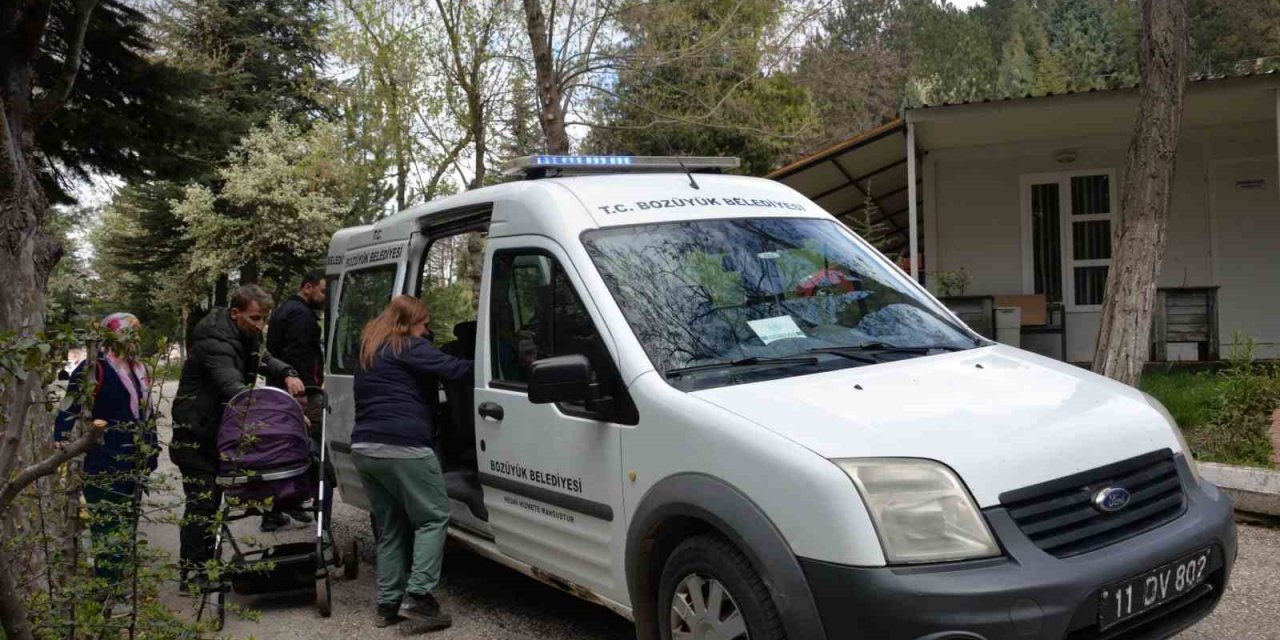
(246, 60)
(693, 83)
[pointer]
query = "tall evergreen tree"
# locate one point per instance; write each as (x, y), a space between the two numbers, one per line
(246, 60)
(694, 85)
(1235, 36)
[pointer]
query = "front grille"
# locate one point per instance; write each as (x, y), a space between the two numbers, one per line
(1059, 517)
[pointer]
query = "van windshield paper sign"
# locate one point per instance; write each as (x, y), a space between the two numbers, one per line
(771, 330)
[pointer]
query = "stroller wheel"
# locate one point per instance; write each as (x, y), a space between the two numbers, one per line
(351, 562)
(324, 597)
(213, 603)
(220, 602)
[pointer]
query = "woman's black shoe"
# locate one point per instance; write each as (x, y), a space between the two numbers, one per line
(424, 608)
(388, 614)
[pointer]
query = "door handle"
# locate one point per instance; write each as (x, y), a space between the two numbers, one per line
(491, 411)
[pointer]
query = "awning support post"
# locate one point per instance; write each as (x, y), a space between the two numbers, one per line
(913, 242)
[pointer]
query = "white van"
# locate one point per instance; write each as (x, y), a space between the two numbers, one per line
(705, 404)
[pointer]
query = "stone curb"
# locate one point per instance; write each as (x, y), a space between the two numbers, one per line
(1254, 490)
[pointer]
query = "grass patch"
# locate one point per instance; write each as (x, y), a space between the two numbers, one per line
(1225, 416)
(1187, 395)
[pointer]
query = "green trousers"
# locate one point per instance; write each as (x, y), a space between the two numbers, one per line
(412, 509)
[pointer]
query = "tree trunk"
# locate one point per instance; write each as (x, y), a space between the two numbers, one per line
(1124, 338)
(551, 106)
(12, 615)
(27, 254)
(249, 273)
(221, 291)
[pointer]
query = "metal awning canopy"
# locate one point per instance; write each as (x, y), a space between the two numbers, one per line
(871, 168)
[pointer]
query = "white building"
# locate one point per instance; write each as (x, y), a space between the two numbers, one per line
(1022, 193)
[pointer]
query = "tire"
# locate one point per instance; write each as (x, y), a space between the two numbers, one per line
(324, 597)
(704, 569)
(351, 562)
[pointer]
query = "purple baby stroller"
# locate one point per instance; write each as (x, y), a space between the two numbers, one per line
(267, 461)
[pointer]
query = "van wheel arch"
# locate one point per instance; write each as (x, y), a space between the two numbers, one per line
(686, 505)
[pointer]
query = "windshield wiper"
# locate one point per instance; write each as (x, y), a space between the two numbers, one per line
(851, 353)
(744, 362)
(880, 347)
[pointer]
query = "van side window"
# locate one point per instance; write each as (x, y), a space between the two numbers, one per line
(536, 313)
(446, 285)
(365, 293)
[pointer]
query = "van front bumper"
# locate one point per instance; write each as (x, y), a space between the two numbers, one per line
(1028, 594)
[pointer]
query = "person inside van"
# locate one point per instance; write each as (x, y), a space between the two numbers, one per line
(392, 446)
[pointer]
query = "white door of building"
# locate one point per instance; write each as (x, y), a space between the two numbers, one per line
(1246, 215)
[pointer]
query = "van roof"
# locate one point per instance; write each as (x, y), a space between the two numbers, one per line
(590, 202)
(606, 199)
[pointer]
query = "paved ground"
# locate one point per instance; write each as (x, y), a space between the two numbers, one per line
(489, 601)
(1250, 610)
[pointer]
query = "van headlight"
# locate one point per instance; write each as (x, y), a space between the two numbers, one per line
(921, 510)
(1177, 433)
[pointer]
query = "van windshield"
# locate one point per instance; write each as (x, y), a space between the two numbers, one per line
(721, 302)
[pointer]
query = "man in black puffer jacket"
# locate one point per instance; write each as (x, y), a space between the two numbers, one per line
(226, 355)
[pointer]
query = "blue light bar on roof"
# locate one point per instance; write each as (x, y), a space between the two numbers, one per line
(579, 161)
(556, 165)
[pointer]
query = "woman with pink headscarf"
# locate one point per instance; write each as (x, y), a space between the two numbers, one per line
(114, 471)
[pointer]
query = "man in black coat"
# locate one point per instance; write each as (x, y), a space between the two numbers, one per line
(226, 355)
(294, 335)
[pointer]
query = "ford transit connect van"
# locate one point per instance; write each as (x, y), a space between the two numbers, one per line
(704, 403)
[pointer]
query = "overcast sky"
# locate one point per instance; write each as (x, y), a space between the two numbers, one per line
(965, 4)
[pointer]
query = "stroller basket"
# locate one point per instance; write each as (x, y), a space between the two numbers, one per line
(276, 569)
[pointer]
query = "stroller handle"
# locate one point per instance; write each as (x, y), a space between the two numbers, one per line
(313, 390)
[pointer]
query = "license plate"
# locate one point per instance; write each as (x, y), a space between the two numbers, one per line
(1139, 594)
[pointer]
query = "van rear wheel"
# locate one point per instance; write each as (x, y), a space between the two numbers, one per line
(710, 591)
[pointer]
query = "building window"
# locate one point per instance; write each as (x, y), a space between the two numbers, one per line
(1070, 255)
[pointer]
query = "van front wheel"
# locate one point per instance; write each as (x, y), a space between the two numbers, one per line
(710, 591)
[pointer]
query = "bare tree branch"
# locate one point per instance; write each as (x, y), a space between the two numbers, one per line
(57, 95)
(30, 474)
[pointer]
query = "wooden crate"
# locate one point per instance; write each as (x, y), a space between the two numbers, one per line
(1185, 315)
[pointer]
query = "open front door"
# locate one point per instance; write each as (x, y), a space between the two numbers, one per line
(551, 473)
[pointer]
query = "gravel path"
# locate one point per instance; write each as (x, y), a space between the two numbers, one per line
(489, 601)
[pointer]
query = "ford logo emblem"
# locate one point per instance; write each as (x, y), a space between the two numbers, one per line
(1111, 499)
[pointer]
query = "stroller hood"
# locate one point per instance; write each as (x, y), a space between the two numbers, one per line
(262, 429)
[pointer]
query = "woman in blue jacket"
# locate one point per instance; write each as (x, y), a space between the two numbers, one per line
(115, 470)
(392, 446)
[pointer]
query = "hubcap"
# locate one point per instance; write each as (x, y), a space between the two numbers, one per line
(702, 609)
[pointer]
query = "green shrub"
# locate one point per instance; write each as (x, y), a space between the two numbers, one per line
(1239, 426)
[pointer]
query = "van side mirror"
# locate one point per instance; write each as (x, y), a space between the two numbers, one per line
(561, 379)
